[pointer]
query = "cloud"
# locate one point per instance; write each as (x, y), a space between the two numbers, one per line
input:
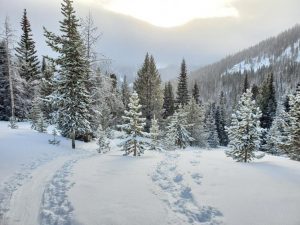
(170, 13)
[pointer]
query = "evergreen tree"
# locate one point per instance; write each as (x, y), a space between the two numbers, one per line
(46, 88)
(195, 117)
(26, 53)
(147, 85)
(168, 104)
(134, 128)
(72, 99)
(54, 141)
(5, 101)
(182, 88)
(125, 93)
(244, 132)
(246, 84)
(255, 91)
(154, 135)
(267, 102)
(221, 121)
(103, 142)
(294, 151)
(211, 128)
(177, 133)
(278, 139)
(286, 104)
(196, 94)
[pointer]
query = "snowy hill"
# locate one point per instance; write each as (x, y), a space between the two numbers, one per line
(280, 55)
(41, 184)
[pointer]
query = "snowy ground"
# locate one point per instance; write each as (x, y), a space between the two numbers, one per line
(41, 184)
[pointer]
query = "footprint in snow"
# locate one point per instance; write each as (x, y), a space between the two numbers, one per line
(197, 178)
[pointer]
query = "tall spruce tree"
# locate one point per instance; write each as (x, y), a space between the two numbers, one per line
(72, 98)
(168, 104)
(267, 102)
(5, 101)
(134, 127)
(26, 53)
(177, 133)
(244, 131)
(211, 128)
(147, 85)
(125, 93)
(294, 151)
(221, 121)
(196, 93)
(246, 83)
(195, 114)
(182, 88)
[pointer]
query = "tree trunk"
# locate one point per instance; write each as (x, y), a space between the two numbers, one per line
(134, 150)
(73, 139)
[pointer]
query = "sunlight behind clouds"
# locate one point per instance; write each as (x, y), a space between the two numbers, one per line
(170, 13)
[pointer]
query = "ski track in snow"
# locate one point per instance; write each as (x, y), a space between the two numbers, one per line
(179, 196)
(56, 209)
(18, 179)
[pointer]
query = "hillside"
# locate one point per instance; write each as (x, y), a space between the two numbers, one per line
(280, 55)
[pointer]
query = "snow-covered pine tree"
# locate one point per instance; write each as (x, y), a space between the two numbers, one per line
(221, 121)
(46, 88)
(169, 102)
(294, 150)
(155, 135)
(35, 113)
(103, 142)
(211, 128)
(245, 131)
(54, 141)
(125, 93)
(28, 64)
(5, 102)
(72, 98)
(134, 126)
(177, 133)
(147, 85)
(278, 139)
(195, 93)
(182, 88)
(41, 125)
(195, 114)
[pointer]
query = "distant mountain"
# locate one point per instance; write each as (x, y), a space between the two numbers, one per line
(280, 55)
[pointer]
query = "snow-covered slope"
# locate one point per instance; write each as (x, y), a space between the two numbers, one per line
(46, 185)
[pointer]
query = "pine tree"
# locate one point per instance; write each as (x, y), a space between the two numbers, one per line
(26, 53)
(255, 91)
(168, 104)
(211, 128)
(244, 132)
(221, 121)
(154, 135)
(294, 151)
(278, 139)
(72, 97)
(46, 88)
(103, 142)
(54, 141)
(182, 88)
(177, 133)
(267, 102)
(147, 85)
(125, 93)
(5, 101)
(246, 84)
(195, 117)
(35, 113)
(134, 126)
(196, 94)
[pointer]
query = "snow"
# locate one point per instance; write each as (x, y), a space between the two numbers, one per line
(42, 184)
(261, 61)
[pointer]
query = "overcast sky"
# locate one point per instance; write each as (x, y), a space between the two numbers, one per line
(201, 31)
